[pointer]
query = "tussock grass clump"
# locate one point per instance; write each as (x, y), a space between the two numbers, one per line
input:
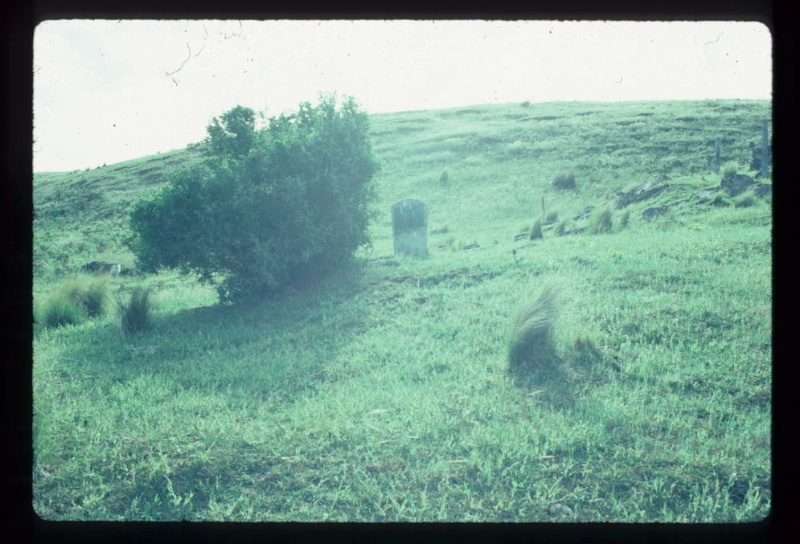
(536, 231)
(745, 201)
(624, 219)
(721, 200)
(565, 181)
(561, 228)
(75, 300)
(444, 178)
(552, 217)
(601, 221)
(532, 345)
(134, 315)
(59, 310)
(95, 297)
(730, 168)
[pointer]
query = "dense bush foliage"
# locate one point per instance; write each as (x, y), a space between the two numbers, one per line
(267, 207)
(233, 133)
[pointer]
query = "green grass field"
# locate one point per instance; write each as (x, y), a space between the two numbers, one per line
(383, 393)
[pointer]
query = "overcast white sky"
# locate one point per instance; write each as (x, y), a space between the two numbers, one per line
(109, 91)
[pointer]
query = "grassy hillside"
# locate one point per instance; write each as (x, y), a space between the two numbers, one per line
(383, 394)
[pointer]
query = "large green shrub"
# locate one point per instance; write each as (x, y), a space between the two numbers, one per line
(233, 133)
(292, 206)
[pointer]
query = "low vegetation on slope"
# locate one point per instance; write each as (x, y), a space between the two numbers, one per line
(385, 393)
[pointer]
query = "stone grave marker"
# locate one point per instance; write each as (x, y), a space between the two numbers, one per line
(410, 227)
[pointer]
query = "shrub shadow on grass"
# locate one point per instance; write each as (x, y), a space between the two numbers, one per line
(275, 350)
(549, 383)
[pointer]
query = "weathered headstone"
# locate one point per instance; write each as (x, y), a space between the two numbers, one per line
(410, 227)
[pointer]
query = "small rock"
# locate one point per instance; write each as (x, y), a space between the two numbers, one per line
(737, 183)
(652, 213)
(706, 194)
(646, 190)
(558, 509)
(145, 350)
(385, 261)
(129, 272)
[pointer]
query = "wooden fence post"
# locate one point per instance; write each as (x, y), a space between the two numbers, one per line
(717, 146)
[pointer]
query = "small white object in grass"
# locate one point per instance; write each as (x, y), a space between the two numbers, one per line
(558, 509)
(148, 350)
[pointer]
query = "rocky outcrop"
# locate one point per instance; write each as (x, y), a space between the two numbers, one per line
(736, 184)
(739, 183)
(112, 269)
(654, 213)
(643, 191)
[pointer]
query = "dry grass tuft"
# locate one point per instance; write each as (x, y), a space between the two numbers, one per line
(532, 344)
(536, 231)
(134, 315)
